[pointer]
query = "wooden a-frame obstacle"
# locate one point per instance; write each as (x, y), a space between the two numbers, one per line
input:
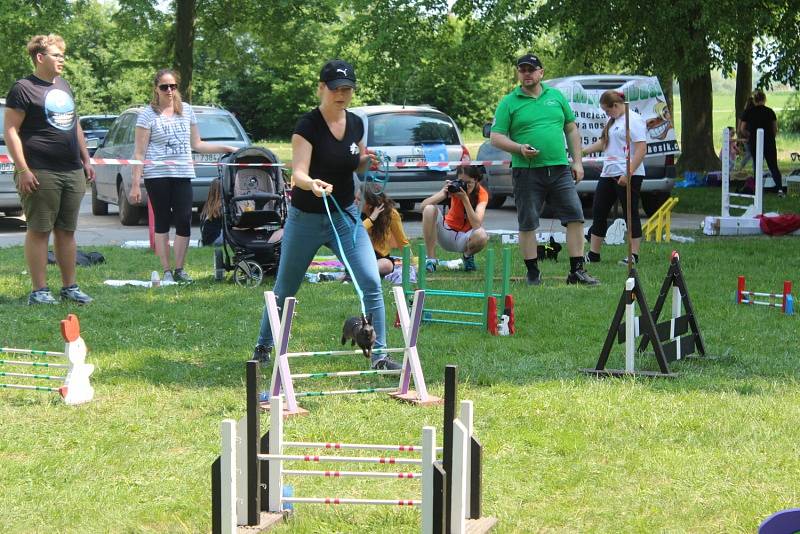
(668, 339)
(283, 379)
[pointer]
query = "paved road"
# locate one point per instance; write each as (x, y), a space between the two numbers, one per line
(107, 230)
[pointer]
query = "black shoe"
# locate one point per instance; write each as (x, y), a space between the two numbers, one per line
(261, 354)
(386, 363)
(534, 279)
(582, 277)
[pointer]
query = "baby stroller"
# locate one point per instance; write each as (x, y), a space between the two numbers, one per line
(253, 215)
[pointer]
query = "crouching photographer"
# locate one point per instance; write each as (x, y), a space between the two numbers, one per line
(461, 229)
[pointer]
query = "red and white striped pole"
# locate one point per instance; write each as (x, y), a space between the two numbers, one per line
(740, 290)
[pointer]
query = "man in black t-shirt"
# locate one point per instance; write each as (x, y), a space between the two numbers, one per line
(760, 116)
(46, 142)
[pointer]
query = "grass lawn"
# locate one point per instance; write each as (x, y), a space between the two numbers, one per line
(715, 450)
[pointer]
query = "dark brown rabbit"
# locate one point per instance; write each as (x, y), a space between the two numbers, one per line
(360, 331)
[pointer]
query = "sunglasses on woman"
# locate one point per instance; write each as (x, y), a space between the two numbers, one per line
(165, 86)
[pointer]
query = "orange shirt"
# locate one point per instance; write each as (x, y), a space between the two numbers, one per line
(456, 219)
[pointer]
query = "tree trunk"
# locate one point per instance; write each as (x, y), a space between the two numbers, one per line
(697, 139)
(744, 77)
(185, 12)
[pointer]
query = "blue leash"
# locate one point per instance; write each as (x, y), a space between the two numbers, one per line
(341, 248)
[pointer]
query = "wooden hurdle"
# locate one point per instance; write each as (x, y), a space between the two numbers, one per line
(244, 493)
(784, 301)
(76, 388)
(677, 338)
(283, 379)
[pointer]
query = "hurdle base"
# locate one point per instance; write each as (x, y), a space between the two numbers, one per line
(266, 521)
(264, 406)
(411, 398)
(623, 372)
(479, 526)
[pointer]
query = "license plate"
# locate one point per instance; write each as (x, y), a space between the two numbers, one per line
(6, 167)
(206, 158)
(411, 159)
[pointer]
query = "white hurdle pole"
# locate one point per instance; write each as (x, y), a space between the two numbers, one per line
(228, 475)
(630, 329)
(459, 476)
(428, 459)
(275, 490)
(466, 418)
(726, 173)
(759, 207)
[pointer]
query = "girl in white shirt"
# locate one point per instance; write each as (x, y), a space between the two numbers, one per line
(613, 179)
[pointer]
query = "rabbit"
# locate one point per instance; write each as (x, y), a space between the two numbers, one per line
(361, 331)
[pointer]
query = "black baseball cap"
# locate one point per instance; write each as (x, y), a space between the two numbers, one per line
(338, 73)
(530, 59)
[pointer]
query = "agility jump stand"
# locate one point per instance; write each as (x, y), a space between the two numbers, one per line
(76, 388)
(245, 494)
(488, 315)
(658, 226)
(784, 301)
(747, 223)
(668, 339)
(283, 379)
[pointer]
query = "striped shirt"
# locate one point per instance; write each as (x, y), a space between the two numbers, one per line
(170, 139)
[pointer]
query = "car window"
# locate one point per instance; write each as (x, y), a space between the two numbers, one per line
(97, 123)
(119, 132)
(218, 128)
(410, 128)
(128, 131)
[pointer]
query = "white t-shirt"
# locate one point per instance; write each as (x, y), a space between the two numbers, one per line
(616, 145)
(170, 139)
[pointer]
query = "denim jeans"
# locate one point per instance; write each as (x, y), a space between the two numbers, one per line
(303, 235)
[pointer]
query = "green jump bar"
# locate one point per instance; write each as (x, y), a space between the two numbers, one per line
(449, 293)
(342, 392)
(40, 377)
(35, 364)
(453, 321)
(454, 312)
(35, 388)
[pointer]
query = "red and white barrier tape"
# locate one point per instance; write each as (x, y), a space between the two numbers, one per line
(396, 165)
(111, 161)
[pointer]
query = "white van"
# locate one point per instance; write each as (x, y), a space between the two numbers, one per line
(583, 92)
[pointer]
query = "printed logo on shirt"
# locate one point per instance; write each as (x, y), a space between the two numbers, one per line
(60, 109)
(354, 148)
(552, 103)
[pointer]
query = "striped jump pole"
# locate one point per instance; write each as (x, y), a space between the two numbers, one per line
(784, 300)
(276, 458)
(77, 388)
(282, 383)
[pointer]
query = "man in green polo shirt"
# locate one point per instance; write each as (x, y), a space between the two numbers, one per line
(531, 123)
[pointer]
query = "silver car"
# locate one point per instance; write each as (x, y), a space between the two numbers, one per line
(412, 134)
(113, 182)
(10, 204)
(659, 168)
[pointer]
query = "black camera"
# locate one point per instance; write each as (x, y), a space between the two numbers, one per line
(456, 185)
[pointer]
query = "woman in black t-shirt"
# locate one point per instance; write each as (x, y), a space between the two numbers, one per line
(327, 148)
(761, 117)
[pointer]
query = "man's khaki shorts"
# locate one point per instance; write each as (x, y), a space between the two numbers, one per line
(56, 202)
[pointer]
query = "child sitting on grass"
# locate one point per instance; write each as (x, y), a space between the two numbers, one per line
(383, 225)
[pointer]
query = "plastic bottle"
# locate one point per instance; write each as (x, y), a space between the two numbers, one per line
(155, 281)
(452, 265)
